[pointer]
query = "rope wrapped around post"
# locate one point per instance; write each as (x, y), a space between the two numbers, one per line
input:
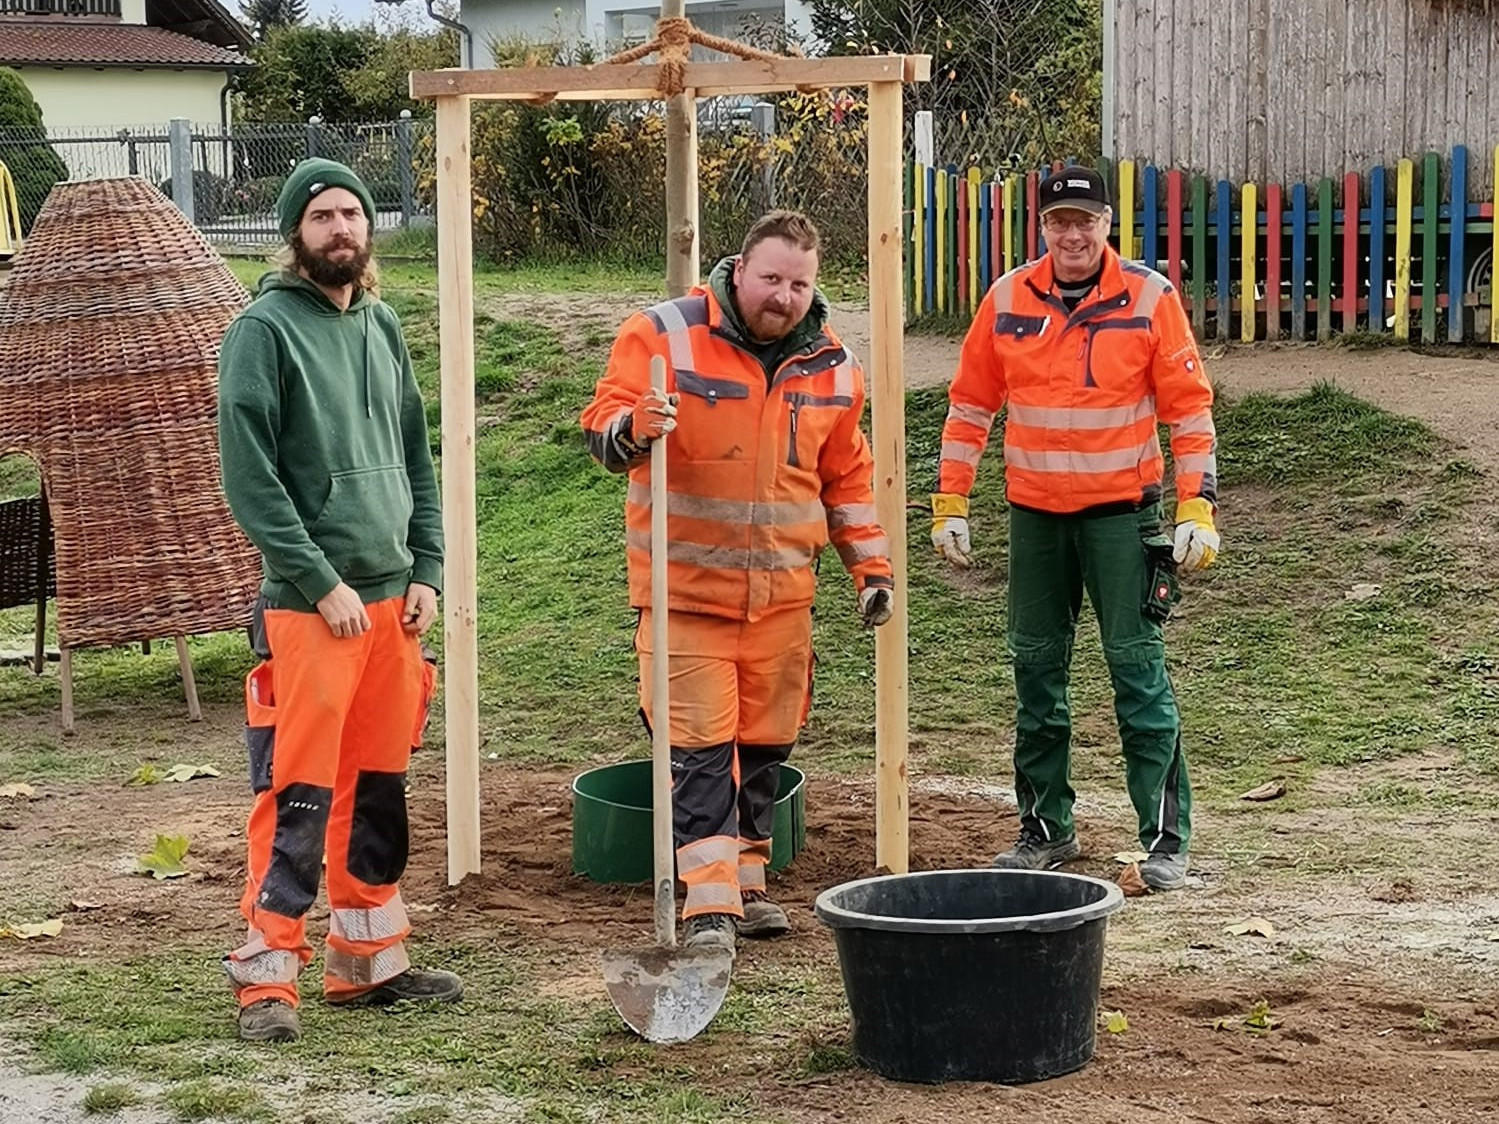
(672, 47)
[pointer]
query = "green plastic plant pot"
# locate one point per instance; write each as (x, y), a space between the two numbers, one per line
(612, 821)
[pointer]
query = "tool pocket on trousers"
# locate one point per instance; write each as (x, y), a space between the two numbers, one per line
(429, 691)
(1161, 589)
(260, 725)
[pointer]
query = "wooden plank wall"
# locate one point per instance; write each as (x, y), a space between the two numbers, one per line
(1292, 90)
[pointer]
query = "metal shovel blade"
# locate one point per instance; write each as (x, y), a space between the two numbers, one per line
(667, 995)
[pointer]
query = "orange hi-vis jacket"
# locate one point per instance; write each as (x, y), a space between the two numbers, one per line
(759, 478)
(1083, 392)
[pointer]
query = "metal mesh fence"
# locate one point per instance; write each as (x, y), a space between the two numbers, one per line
(236, 173)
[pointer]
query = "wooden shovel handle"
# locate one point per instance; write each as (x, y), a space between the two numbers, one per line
(661, 820)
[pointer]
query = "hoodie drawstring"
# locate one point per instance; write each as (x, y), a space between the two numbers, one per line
(369, 409)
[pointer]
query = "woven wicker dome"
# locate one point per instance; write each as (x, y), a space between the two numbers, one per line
(109, 336)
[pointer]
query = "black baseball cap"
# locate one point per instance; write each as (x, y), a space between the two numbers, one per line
(1075, 187)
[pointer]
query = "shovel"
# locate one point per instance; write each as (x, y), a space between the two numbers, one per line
(664, 993)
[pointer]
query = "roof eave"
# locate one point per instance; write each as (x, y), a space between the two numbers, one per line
(114, 64)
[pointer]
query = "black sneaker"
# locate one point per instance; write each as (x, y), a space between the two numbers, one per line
(269, 1020)
(1033, 851)
(1164, 872)
(419, 985)
(712, 931)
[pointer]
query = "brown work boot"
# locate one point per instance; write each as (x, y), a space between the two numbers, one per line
(417, 985)
(269, 1020)
(762, 917)
(711, 931)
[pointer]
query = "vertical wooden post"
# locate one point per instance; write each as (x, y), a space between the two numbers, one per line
(1457, 244)
(455, 300)
(888, 396)
(1494, 260)
(682, 243)
(1248, 230)
(189, 684)
(1404, 187)
(65, 673)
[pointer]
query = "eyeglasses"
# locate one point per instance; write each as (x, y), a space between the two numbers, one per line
(1059, 224)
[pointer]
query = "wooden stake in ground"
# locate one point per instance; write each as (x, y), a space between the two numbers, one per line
(455, 297)
(453, 89)
(888, 406)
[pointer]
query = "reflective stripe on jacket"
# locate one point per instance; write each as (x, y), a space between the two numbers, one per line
(1084, 391)
(759, 478)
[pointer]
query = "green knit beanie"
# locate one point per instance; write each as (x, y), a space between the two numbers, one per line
(307, 180)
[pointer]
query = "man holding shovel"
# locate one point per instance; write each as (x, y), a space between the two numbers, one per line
(766, 464)
(1087, 353)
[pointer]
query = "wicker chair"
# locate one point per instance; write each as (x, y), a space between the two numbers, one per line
(109, 334)
(28, 568)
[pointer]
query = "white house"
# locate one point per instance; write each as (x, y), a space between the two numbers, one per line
(610, 24)
(124, 62)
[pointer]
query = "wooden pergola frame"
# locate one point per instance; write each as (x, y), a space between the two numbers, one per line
(454, 92)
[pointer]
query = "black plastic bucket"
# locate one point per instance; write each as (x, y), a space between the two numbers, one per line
(972, 975)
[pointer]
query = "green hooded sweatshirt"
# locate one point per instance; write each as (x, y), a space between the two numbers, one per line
(323, 444)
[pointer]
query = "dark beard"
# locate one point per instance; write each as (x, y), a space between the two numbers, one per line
(333, 274)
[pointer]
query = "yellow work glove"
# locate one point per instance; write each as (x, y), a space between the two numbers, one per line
(1197, 539)
(950, 529)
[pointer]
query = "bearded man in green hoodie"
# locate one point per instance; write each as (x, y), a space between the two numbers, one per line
(326, 466)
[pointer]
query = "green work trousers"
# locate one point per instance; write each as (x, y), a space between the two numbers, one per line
(1053, 559)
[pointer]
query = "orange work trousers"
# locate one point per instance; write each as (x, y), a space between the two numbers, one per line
(330, 725)
(740, 693)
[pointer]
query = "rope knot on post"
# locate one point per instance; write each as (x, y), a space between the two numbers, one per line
(672, 46)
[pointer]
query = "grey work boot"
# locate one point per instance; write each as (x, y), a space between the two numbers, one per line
(269, 1020)
(711, 931)
(419, 985)
(762, 917)
(1165, 872)
(1033, 851)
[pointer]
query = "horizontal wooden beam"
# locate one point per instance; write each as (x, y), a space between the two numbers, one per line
(636, 82)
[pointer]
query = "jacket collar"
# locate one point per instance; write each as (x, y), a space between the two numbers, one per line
(1112, 287)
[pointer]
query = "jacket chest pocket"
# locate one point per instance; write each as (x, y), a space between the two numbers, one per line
(1012, 327)
(1027, 347)
(1117, 354)
(711, 418)
(810, 419)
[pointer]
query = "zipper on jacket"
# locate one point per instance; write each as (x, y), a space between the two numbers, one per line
(791, 458)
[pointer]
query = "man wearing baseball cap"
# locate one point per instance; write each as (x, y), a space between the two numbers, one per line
(327, 468)
(1087, 353)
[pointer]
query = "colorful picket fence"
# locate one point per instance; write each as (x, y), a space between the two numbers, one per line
(1379, 252)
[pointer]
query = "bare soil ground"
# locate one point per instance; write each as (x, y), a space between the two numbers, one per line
(1381, 978)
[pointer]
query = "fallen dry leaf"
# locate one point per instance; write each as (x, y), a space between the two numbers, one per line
(1131, 883)
(1257, 926)
(16, 792)
(33, 930)
(1289, 759)
(84, 907)
(184, 773)
(1362, 591)
(1127, 857)
(414, 908)
(1270, 790)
